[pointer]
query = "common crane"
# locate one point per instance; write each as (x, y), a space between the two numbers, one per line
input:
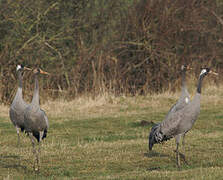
(179, 122)
(16, 111)
(36, 121)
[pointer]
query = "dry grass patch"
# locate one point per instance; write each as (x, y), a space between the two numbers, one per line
(108, 105)
(4, 110)
(116, 106)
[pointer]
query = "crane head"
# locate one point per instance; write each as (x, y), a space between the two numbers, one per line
(185, 67)
(22, 67)
(205, 71)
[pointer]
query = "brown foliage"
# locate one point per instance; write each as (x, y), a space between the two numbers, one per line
(107, 46)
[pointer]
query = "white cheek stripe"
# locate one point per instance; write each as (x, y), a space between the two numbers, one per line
(18, 67)
(186, 100)
(203, 71)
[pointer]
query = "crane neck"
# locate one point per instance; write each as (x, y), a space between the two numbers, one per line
(35, 99)
(18, 95)
(20, 79)
(200, 84)
(183, 82)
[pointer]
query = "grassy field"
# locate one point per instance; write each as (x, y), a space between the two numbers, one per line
(105, 138)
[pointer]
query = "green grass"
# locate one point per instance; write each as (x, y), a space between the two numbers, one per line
(107, 140)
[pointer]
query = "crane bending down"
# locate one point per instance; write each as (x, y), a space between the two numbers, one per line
(16, 111)
(36, 121)
(179, 122)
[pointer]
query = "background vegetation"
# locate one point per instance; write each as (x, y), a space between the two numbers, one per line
(97, 46)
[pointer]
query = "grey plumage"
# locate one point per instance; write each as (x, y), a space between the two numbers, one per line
(36, 121)
(179, 122)
(184, 97)
(16, 111)
(182, 102)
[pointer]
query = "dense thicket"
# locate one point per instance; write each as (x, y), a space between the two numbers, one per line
(96, 46)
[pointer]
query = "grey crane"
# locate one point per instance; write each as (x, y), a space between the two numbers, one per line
(179, 122)
(16, 111)
(36, 121)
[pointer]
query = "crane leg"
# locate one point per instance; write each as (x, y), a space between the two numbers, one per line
(177, 138)
(178, 155)
(34, 151)
(18, 142)
(39, 150)
(17, 131)
(183, 141)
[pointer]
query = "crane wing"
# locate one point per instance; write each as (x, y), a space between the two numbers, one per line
(169, 127)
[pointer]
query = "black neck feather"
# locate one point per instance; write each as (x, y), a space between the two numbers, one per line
(200, 83)
(20, 78)
(183, 83)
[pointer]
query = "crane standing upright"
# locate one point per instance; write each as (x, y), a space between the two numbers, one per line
(179, 122)
(36, 121)
(16, 111)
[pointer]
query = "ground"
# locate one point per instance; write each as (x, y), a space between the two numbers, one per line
(107, 138)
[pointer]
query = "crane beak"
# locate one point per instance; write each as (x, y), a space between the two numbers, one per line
(44, 72)
(26, 68)
(212, 72)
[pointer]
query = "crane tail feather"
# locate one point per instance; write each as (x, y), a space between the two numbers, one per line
(152, 135)
(156, 136)
(37, 135)
(22, 129)
(44, 134)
